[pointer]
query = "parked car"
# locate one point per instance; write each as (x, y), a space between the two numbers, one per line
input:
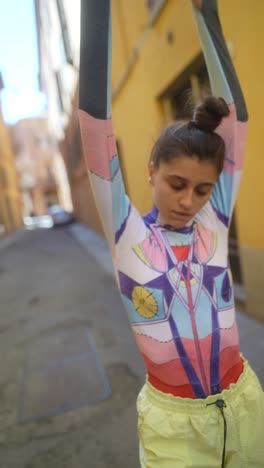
(34, 222)
(60, 216)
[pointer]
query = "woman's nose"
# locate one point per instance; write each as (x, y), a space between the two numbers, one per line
(186, 200)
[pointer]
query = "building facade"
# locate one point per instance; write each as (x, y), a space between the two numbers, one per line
(11, 207)
(58, 24)
(36, 165)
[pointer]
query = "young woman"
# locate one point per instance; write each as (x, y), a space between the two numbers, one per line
(202, 405)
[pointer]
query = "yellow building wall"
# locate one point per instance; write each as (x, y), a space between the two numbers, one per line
(247, 37)
(10, 197)
(138, 115)
(145, 63)
(137, 112)
(129, 23)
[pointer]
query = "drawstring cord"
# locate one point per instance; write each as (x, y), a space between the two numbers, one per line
(221, 405)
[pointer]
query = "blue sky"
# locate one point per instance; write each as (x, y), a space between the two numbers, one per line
(19, 61)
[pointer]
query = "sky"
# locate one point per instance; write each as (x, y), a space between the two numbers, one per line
(19, 61)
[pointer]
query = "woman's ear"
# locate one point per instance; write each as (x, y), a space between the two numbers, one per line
(151, 172)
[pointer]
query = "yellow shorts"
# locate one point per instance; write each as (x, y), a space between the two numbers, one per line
(179, 432)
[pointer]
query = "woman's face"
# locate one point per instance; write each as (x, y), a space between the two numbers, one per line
(181, 188)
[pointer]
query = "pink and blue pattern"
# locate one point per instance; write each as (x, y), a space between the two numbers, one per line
(175, 284)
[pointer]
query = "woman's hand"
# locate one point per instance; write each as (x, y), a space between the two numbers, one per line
(198, 4)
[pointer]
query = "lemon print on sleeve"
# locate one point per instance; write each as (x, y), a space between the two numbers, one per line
(144, 302)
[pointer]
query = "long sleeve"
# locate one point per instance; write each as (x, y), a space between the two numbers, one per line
(224, 83)
(95, 118)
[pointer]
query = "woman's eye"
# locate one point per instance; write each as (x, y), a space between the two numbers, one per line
(176, 187)
(201, 193)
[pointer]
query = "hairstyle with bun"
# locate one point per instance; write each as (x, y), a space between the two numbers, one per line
(195, 138)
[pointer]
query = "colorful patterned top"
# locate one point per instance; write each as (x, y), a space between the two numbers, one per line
(175, 284)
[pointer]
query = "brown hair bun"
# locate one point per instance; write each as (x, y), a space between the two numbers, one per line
(208, 115)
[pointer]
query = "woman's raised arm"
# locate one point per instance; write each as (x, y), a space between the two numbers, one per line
(95, 118)
(224, 83)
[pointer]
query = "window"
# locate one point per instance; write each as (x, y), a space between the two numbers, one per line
(45, 16)
(186, 96)
(59, 89)
(65, 32)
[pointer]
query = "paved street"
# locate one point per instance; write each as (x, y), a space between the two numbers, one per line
(62, 321)
(50, 289)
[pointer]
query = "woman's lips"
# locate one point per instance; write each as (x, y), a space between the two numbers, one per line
(182, 214)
